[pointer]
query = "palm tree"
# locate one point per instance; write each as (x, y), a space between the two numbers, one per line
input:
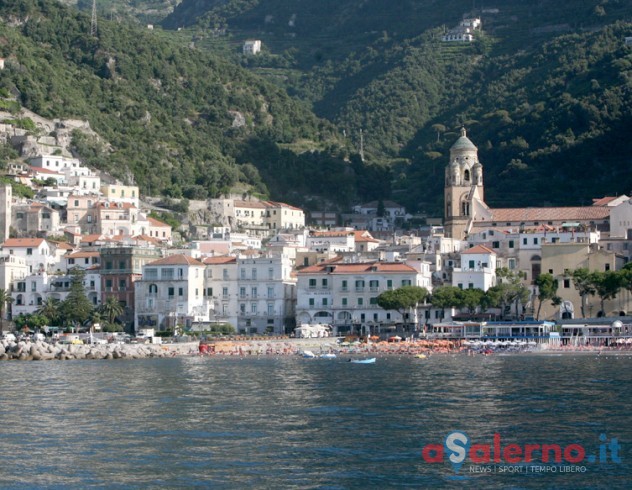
(50, 309)
(111, 309)
(5, 300)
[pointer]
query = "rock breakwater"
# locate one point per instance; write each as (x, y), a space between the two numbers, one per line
(44, 351)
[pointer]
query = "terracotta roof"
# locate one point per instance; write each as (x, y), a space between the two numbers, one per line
(82, 255)
(64, 246)
(364, 236)
(550, 214)
(222, 259)
(90, 238)
(23, 242)
(155, 222)
(149, 239)
(250, 204)
(478, 249)
(180, 259)
(359, 268)
(40, 170)
(603, 201)
(275, 204)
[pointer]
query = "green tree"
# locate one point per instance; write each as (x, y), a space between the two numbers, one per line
(547, 289)
(5, 301)
(447, 297)
(111, 308)
(472, 298)
(402, 299)
(508, 291)
(76, 308)
(583, 283)
(50, 309)
(607, 285)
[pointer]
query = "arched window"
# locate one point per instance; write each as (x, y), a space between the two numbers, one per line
(153, 289)
(466, 176)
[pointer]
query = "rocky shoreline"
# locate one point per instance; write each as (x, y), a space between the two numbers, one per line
(44, 351)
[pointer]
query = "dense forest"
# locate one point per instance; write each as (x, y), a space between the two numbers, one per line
(544, 91)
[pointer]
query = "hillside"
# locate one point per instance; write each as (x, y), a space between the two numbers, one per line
(179, 121)
(544, 91)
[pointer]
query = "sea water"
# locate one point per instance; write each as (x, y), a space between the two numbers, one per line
(267, 422)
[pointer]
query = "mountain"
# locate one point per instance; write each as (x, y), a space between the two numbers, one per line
(350, 100)
(544, 90)
(175, 120)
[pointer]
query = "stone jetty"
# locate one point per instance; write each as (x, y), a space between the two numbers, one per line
(44, 351)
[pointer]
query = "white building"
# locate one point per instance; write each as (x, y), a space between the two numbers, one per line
(252, 47)
(478, 269)
(30, 292)
(170, 293)
(255, 295)
(344, 295)
(38, 253)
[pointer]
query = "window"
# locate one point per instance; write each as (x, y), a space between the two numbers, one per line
(345, 285)
(389, 284)
(29, 251)
(108, 284)
(33, 286)
(225, 292)
(151, 273)
(524, 241)
(535, 240)
(511, 244)
(225, 274)
(470, 285)
(242, 308)
(242, 292)
(471, 264)
(359, 285)
(325, 301)
(406, 282)
(312, 283)
(167, 274)
(254, 274)
(242, 273)
(180, 292)
(567, 283)
(607, 267)
(171, 292)
(122, 284)
(360, 301)
(270, 273)
(209, 292)
(270, 309)
(511, 263)
(495, 244)
(374, 285)
(122, 264)
(253, 292)
(311, 301)
(324, 283)
(373, 301)
(460, 285)
(344, 301)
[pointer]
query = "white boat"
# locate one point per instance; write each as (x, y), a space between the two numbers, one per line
(328, 356)
(370, 360)
(308, 354)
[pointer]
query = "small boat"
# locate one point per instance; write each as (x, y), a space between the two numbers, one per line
(328, 356)
(421, 356)
(308, 354)
(370, 360)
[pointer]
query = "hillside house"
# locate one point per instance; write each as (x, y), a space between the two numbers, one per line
(252, 47)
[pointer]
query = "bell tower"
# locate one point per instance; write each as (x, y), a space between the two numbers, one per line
(463, 187)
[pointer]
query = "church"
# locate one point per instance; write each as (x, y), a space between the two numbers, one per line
(466, 212)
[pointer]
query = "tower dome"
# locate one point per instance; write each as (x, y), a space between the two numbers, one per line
(463, 143)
